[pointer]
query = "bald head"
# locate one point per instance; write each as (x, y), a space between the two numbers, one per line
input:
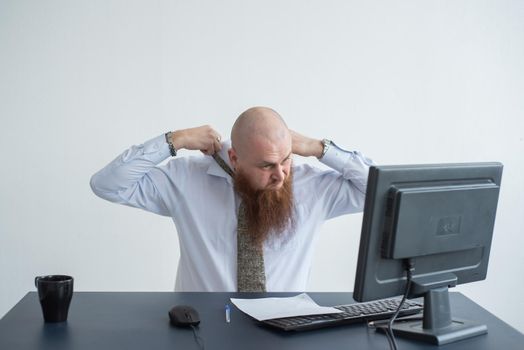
(261, 147)
(258, 125)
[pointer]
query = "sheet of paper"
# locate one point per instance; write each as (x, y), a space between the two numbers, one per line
(269, 308)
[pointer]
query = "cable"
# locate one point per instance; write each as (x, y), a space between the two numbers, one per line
(391, 341)
(197, 337)
(410, 267)
(382, 325)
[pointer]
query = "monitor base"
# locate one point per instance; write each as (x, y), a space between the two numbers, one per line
(457, 330)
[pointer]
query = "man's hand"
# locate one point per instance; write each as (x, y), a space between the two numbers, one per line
(203, 138)
(306, 146)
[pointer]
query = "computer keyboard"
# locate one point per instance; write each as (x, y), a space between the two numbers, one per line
(353, 313)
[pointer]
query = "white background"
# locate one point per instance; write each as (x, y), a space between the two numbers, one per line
(402, 81)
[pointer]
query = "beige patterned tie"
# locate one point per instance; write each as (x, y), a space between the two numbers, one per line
(251, 275)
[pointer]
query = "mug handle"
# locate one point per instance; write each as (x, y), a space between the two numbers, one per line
(36, 280)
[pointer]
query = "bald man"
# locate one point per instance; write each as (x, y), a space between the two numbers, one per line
(283, 204)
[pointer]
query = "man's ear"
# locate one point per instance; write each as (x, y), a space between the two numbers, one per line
(233, 158)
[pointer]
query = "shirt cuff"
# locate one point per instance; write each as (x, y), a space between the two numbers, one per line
(336, 158)
(156, 149)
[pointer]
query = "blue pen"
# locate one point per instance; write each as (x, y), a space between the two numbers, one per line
(228, 313)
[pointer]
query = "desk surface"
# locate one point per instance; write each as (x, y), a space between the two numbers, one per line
(131, 320)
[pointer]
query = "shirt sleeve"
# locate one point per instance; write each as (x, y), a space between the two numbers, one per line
(132, 177)
(345, 191)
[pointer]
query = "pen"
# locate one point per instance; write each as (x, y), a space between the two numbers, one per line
(228, 313)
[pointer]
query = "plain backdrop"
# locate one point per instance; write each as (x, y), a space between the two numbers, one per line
(402, 81)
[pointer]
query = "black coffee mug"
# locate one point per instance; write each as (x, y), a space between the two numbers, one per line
(55, 293)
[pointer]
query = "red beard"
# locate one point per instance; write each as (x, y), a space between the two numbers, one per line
(268, 212)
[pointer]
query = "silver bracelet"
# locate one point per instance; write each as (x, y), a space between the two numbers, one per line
(326, 143)
(172, 148)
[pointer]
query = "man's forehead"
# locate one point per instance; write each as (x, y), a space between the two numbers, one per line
(267, 142)
(264, 147)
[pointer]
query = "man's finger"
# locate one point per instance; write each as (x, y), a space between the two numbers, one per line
(217, 145)
(211, 149)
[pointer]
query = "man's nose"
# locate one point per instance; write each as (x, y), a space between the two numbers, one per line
(278, 174)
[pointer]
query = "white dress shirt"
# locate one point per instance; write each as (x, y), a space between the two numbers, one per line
(198, 195)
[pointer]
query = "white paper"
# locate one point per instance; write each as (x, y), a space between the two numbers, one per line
(269, 308)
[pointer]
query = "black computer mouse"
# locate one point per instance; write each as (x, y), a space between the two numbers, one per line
(184, 316)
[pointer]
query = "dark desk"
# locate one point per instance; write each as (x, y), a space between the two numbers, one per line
(111, 320)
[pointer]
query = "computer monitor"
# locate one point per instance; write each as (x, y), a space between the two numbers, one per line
(440, 218)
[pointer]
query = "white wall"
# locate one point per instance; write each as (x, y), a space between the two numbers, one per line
(403, 81)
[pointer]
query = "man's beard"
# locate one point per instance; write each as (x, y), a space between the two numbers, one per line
(268, 212)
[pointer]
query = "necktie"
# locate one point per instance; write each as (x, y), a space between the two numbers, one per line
(251, 275)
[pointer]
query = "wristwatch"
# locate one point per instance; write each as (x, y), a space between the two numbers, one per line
(326, 143)
(172, 148)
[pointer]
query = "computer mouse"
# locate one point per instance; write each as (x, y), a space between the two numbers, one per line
(184, 316)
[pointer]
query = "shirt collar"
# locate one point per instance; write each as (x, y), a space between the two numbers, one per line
(215, 169)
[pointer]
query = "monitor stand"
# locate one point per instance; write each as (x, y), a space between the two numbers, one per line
(437, 326)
